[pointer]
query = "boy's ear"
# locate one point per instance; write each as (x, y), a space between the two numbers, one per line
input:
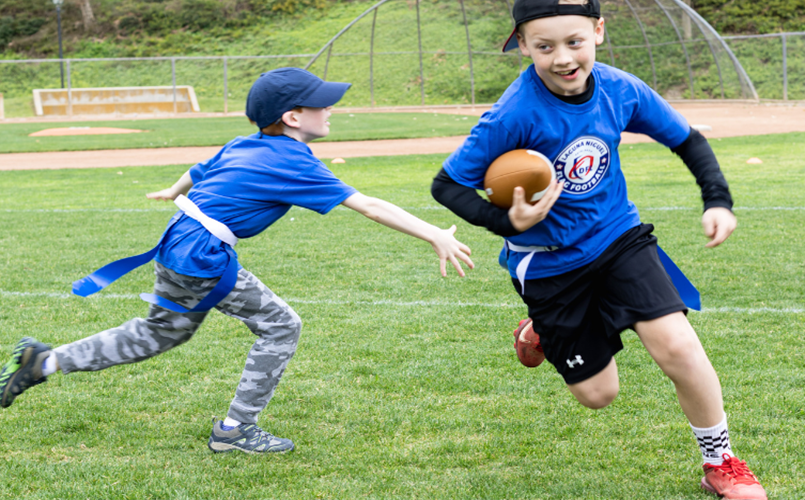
(522, 44)
(289, 118)
(599, 31)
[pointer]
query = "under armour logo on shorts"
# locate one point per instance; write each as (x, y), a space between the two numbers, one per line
(577, 361)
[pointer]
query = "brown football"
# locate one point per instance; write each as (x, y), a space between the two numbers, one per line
(527, 345)
(521, 167)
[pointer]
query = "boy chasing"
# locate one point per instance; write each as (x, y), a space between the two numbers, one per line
(241, 191)
(580, 258)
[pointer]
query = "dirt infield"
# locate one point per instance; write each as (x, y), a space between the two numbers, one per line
(176, 156)
(723, 119)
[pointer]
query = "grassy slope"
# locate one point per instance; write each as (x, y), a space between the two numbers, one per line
(218, 131)
(396, 67)
(396, 399)
(397, 75)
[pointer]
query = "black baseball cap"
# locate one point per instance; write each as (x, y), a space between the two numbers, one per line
(284, 89)
(528, 10)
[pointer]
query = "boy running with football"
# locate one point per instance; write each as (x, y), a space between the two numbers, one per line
(240, 192)
(580, 258)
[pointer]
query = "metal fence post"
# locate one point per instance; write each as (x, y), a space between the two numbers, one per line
(684, 48)
(372, 63)
(69, 90)
(421, 71)
(609, 46)
(648, 44)
(785, 69)
(173, 78)
(327, 62)
(226, 90)
(469, 51)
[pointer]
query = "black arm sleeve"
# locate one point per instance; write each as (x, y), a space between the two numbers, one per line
(698, 156)
(470, 206)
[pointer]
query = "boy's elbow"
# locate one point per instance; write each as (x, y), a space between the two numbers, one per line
(369, 207)
(437, 190)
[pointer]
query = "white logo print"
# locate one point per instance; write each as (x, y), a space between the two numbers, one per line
(577, 361)
(582, 164)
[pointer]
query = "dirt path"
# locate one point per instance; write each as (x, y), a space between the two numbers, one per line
(174, 156)
(724, 120)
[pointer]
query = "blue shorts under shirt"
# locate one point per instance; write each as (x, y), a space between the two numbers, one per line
(248, 185)
(582, 141)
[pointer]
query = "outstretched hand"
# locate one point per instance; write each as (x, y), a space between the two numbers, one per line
(447, 247)
(524, 215)
(168, 194)
(718, 224)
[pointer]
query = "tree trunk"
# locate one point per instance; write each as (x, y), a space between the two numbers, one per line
(86, 14)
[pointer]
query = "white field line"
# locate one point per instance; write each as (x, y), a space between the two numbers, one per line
(81, 210)
(135, 210)
(397, 303)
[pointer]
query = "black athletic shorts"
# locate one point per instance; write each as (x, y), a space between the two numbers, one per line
(579, 315)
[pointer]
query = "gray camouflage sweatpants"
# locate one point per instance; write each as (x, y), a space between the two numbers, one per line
(276, 325)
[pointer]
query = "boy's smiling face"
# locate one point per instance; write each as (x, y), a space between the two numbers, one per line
(563, 50)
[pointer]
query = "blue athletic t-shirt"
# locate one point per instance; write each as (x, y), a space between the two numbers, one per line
(582, 142)
(248, 185)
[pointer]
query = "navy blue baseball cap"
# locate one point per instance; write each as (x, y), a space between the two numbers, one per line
(284, 89)
(528, 10)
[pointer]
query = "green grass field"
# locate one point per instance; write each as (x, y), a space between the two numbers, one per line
(218, 131)
(405, 384)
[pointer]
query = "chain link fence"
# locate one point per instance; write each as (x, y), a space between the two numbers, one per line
(775, 63)
(452, 57)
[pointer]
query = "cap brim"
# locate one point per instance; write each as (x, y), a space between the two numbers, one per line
(511, 43)
(327, 94)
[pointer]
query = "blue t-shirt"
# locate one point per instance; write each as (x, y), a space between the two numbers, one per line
(582, 141)
(248, 185)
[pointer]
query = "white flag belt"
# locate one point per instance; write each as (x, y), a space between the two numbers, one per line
(218, 229)
(522, 267)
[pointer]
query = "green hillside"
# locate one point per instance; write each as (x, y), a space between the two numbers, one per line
(148, 28)
(128, 28)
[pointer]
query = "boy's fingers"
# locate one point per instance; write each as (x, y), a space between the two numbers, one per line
(715, 241)
(464, 248)
(457, 266)
(452, 229)
(553, 193)
(709, 227)
(443, 266)
(518, 196)
(547, 201)
(722, 232)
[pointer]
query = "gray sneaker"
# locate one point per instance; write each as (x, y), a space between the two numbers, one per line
(247, 438)
(23, 370)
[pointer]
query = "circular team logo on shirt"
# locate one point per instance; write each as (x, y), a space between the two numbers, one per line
(582, 164)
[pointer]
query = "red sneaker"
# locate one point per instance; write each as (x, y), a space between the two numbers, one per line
(527, 346)
(732, 480)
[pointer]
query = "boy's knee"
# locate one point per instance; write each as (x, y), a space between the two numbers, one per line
(294, 324)
(680, 353)
(598, 391)
(598, 398)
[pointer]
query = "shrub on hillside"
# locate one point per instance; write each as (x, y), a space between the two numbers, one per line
(751, 16)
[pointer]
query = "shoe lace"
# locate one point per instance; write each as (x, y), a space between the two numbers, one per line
(737, 470)
(263, 435)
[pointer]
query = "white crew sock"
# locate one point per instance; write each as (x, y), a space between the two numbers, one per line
(49, 366)
(714, 441)
(231, 422)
